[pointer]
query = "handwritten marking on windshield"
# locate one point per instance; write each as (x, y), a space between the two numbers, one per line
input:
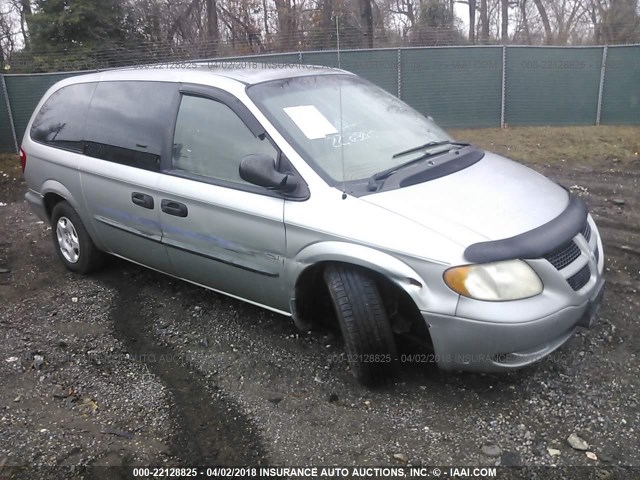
(354, 137)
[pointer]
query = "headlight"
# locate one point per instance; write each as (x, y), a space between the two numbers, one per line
(510, 280)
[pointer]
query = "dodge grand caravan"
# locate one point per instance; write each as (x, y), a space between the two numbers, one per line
(296, 189)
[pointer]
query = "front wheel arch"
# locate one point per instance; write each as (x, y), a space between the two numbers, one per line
(312, 310)
(309, 260)
(309, 286)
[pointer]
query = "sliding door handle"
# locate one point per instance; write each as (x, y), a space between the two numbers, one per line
(142, 200)
(174, 208)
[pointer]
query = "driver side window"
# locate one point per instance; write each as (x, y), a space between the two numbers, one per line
(211, 140)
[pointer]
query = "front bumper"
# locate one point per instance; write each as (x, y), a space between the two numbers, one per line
(465, 344)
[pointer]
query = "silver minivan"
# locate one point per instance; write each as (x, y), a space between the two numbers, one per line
(317, 195)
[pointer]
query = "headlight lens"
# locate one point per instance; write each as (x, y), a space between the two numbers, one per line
(499, 281)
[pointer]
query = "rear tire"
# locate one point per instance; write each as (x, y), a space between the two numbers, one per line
(369, 342)
(72, 242)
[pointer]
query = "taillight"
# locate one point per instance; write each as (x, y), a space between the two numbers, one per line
(23, 159)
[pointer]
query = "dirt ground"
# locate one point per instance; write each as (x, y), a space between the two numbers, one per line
(131, 367)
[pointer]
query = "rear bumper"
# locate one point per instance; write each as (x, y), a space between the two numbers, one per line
(36, 202)
(465, 344)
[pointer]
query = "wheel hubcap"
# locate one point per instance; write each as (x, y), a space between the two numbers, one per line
(68, 240)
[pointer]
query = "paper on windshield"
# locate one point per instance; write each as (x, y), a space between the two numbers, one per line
(310, 121)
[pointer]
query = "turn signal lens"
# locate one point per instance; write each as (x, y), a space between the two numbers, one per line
(498, 281)
(455, 278)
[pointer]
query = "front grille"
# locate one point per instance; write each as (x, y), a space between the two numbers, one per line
(580, 279)
(586, 232)
(564, 255)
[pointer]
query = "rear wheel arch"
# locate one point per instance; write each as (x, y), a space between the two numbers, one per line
(54, 192)
(72, 242)
(51, 199)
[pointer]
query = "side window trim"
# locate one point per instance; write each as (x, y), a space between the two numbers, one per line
(217, 95)
(223, 183)
(240, 186)
(254, 126)
(224, 97)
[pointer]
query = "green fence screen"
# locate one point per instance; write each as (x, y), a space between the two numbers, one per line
(463, 87)
(457, 86)
(6, 135)
(621, 92)
(552, 86)
(377, 66)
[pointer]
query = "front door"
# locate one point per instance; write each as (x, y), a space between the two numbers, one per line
(219, 230)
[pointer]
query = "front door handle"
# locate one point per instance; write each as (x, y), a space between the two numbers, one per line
(142, 200)
(174, 208)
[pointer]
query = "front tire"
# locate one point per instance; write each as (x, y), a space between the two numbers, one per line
(73, 244)
(369, 342)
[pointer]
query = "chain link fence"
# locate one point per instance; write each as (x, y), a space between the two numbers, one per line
(460, 87)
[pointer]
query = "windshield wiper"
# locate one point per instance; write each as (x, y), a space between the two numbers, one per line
(428, 145)
(374, 179)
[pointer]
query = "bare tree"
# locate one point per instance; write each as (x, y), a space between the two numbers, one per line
(545, 21)
(366, 21)
(504, 31)
(484, 22)
(472, 22)
(407, 10)
(287, 22)
(24, 9)
(199, 28)
(8, 32)
(213, 33)
(178, 21)
(564, 15)
(525, 21)
(521, 28)
(620, 22)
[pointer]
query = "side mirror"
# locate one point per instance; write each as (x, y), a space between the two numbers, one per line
(261, 170)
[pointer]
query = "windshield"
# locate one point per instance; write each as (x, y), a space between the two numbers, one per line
(345, 127)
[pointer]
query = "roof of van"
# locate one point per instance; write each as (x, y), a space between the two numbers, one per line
(248, 73)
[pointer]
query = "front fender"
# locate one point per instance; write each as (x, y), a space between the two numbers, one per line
(395, 270)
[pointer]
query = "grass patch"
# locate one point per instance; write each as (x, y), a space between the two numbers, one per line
(588, 146)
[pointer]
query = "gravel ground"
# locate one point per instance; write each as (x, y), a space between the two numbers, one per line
(133, 367)
(70, 393)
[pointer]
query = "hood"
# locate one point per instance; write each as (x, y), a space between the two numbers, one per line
(492, 199)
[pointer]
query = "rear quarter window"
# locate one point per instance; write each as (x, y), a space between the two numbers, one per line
(61, 121)
(129, 122)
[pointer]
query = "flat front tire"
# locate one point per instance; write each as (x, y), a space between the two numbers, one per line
(369, 342)
(73, 244)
